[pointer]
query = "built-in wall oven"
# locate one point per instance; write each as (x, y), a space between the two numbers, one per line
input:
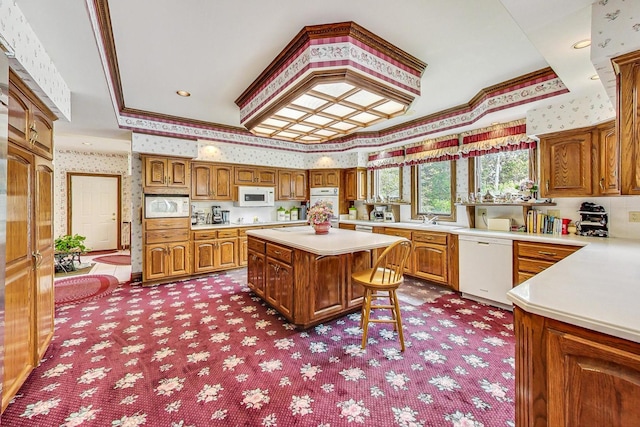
(159, 206)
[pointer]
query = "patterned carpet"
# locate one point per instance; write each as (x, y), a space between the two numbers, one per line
(80, 289)
(207, 352)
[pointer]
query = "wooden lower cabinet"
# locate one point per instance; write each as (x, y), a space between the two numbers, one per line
(279, 287)
(211, 255)
(530, 258)
(243, 251)
(571, 376)
(430, 262)
(166, 260)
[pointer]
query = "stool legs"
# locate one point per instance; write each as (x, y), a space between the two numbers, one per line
(394, 306)
(364, 318)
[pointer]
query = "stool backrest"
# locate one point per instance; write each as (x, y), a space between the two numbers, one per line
(391, 263)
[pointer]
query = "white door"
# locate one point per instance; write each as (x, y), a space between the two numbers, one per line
(94, 210)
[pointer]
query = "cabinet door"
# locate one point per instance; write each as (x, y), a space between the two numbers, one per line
(44, 272)
(178, 173)
(350, 184)
(628, 122)
(332, 178)
(358, 261)
(566, 164)
(243, 251)
(227, 253)
(256, 273)
(204, 256)
(266, 176)
(285, 185)
(430, 262)
(155, 172)
(361, 184)
(591, 383)
(155, 262)
(222, 179)
(299, 185)
(18, 117)
(316, 178)
(202, 182)
(279, 287)
(41, 133)
(245, 175)
(327, 287)
(19, 268)
(179, 259)
(609, 181)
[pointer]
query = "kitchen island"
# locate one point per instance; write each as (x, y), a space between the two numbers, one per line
(307, 277)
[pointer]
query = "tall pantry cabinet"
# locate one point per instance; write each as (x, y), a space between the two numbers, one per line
(29, 303)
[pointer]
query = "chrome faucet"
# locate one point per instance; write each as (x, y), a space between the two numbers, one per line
(429, 221)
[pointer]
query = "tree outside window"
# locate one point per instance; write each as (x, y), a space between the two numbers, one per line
(388, 183)
(501, 172)
(434, 185)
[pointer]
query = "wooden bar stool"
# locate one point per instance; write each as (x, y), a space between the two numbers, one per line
(381, 281)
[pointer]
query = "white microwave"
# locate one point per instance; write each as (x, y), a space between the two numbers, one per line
(255, 196)
(158, 206)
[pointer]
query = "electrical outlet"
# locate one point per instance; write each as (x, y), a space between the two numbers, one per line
(634, 216)
(554, 213)
(481, 212)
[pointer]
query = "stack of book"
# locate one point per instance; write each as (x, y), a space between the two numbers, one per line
(541, 223)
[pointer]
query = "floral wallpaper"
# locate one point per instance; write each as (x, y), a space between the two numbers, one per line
(615, 30)
(87, 162)
(31, 62)
(570, 114)
(141, 143)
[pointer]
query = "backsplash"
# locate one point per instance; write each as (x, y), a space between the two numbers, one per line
(246, 215)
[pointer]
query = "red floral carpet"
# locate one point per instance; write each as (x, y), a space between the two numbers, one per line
(83, 288)
(113, 259)
(207, 352)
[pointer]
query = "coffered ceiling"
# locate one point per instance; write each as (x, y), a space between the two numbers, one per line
(215, 50)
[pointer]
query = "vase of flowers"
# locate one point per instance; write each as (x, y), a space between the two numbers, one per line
(528, 189)
(319, 216)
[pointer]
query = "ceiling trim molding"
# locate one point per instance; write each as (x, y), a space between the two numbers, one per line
(528, 88)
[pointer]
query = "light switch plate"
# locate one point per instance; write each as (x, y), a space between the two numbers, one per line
(634, 216)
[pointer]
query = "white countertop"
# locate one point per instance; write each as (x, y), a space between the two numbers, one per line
(337, 242)
(409, 225)
(245, 224)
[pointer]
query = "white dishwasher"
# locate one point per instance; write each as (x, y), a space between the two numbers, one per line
(485, 269)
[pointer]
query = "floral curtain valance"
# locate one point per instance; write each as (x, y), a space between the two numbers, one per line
(504, 137)
(386, 159)
(433, 150)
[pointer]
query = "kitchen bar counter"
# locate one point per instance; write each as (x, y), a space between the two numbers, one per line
(307, 276)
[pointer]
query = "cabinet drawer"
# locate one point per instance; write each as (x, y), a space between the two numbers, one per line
(256, 245)
(534, 266)
(163, 236)
(399, 233)
(426, 237)
(163, 223)
(544, 251)
(230, 232)
(205, 235)
(280, 253)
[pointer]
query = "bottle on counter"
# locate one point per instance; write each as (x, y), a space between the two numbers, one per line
(287, 215)
(280, 214)
(294, 213)
(353, 212)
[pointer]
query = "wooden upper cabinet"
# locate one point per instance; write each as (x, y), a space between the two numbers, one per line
(292, 184)
(210, 181)
(252, 175)
(30, 121)
(566, 164)
(166, 175)
(608, 179)
(324, 178)
(355, 184)
(628, 120)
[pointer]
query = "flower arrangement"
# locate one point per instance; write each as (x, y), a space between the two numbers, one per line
(320, 212)
(527, 185)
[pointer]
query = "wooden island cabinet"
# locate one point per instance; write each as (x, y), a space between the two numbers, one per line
(307, 277)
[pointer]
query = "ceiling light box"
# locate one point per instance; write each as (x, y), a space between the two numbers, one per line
(330, 80)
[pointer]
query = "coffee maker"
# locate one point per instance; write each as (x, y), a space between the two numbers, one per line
(216, 215)
(225, 217)
(377, 214)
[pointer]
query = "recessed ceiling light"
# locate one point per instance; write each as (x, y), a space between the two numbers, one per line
(495, 123)
(86, 143)
(595, 77)
(582, 44)
(183, 93)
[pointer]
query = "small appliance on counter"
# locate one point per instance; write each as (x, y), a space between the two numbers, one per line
(593, 221)
(389, 216)
(225, 216)
(377, 214)
(216, 215)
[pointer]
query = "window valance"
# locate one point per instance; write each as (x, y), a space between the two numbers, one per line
(433, 150)
(386, 159)
(504, 137)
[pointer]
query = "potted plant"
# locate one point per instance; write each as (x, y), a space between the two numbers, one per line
(67, 251)
(319, 216)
